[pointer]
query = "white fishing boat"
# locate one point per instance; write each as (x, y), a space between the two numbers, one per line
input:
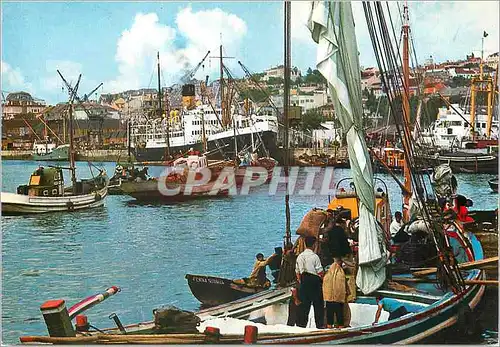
(45, 191)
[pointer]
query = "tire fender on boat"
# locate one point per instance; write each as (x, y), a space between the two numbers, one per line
(98, 197)
(70, 205)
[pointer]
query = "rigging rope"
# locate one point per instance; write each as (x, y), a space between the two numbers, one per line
(389, 64)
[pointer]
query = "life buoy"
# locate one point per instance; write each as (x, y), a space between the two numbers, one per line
(54, 191)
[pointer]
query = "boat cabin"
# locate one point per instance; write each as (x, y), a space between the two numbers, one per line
(43, 148)
(347, 198)
(44, 182)
(393, 157)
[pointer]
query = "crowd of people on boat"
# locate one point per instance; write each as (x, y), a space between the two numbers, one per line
(325, 269)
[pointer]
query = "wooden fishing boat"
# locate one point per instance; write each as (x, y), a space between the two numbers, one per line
(59, 153)
(174, 187)
(213, 291)
(45, 193)
(494, 184)
(429, 310)
(125, 172)
(462, 161)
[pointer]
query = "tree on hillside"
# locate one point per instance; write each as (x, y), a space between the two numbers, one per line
(275, 80)
(312, 119)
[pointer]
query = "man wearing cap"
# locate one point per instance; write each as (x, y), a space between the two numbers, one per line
(309, 273)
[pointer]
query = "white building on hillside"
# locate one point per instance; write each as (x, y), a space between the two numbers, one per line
(279, 72)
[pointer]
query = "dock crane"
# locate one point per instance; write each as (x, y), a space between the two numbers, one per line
(86, 96)
(187, 77)
(91, 118)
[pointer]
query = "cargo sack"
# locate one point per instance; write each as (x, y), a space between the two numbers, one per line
(311, 223)
(170, 319)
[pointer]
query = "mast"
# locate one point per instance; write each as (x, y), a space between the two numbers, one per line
(406, 107)
(286, 103)
(221, 84)
(128, 139)
(491, 101)
(167, 154)
(71, 147)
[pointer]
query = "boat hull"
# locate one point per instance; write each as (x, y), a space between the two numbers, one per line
(212, 291)
(463, 162)
(149, 191)
(60, 153)
(158, 153)
(17, 204)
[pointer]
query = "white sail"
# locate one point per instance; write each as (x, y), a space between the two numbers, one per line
(332, 28)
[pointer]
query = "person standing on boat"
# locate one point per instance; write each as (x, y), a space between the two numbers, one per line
(394, 307)
(337, 238)
(335, 292)
(258, 276)
(309, 273)
(396, 224)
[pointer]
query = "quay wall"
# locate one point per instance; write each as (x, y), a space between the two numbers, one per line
(115, 155)
(92, 155)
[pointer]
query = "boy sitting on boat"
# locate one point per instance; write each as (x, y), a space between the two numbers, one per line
(258, 277)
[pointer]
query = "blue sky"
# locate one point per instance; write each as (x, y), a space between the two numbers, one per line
(116, 42)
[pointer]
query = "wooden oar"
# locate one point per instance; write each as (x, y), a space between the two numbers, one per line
(463, 266)
(428, 280)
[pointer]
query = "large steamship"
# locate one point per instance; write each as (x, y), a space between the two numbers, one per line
(226, 130)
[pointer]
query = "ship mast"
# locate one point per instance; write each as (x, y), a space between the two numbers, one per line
(286, 103)
(486, 84)
(406, 108)
(167, 153)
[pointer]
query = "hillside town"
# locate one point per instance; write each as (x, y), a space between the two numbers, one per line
(101, 122)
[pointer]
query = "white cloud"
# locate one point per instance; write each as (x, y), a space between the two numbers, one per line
(137, 47)
(298, 24)
(14, 80)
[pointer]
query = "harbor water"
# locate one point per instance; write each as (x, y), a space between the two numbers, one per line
(146, 250)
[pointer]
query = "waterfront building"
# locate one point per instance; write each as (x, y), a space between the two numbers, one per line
(20, 104)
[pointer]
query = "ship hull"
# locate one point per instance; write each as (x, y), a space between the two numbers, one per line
(226, 144)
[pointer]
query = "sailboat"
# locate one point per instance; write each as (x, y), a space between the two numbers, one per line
(430, 308)
(45, 191)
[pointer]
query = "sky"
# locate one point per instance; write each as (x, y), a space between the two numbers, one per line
(116, 42)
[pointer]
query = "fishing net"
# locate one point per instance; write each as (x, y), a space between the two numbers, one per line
(170, 319)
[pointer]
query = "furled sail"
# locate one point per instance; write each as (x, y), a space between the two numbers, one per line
(332, 28)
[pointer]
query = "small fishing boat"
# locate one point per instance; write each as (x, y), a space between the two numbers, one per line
(213, 291)
(174, 185)
(50, 152)
(125, 172)
(46, 193)
(494, 184)
(259, 166)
